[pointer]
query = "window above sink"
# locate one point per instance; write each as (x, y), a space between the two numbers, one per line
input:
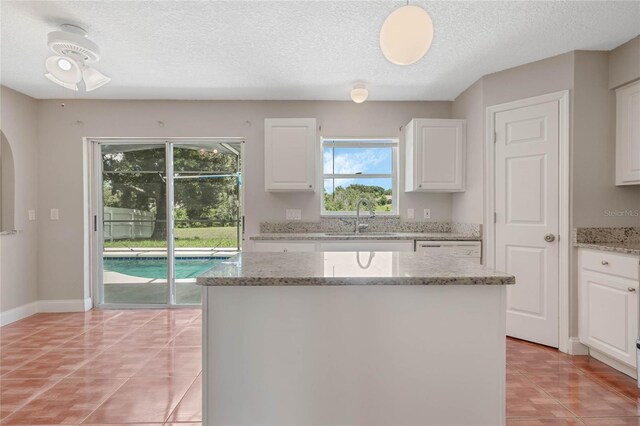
(359, 168)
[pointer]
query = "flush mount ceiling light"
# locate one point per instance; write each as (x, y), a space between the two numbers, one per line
(406, 35)
(359, 93)
(73, 51)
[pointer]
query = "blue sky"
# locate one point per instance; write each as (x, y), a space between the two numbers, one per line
(354, 160)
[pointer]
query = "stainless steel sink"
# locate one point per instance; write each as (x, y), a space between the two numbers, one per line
(362, 234)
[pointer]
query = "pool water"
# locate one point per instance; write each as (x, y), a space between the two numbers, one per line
(157, 267)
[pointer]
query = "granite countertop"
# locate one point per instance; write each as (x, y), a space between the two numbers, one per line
(622, 247)
(333, 236)
(350, 268)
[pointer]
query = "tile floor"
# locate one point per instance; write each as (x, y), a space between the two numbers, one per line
(144, 367)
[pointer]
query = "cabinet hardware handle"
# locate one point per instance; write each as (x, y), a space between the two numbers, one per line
(604, 263)
(631, 290)
(420, 186)
(310, 186)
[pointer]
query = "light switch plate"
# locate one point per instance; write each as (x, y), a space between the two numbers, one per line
(410, 214)
(32, 214)
(55, 214)
(427, 213)
(294, 214)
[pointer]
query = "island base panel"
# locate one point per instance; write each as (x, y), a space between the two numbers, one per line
(357, 355)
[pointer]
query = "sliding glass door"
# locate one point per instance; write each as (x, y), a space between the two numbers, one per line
(168, 211)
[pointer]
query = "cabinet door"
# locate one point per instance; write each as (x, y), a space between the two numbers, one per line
(290, 154)
(369, 245)
(283, 247)
(609, 315)
(439, 155)
(628, 135)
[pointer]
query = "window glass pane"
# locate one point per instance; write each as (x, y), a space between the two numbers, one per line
(342, 195)
(376, 160)
(143, 158)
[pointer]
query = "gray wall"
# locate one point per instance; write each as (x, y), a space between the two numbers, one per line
(594, 148)
(18, 258)
(624, 63)
(61, 161)
(468, 206)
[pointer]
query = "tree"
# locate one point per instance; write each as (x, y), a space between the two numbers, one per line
(137, 180)
(346, 199)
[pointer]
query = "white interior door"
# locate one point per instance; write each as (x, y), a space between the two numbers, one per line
(527, 218)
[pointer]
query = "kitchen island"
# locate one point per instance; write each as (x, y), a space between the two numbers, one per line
(353, 338)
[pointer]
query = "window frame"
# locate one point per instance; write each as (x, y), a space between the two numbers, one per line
(364, 142)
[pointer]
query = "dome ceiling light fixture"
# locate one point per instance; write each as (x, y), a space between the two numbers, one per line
(359, 93)
(406, 35)
(73, 51)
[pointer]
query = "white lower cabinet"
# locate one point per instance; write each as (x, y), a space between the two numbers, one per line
(336, 245)
(379, 245)
(609, 307)
(284, 246)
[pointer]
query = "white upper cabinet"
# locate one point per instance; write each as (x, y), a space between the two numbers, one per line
(435, 155)
(628, 135)
(290, 146)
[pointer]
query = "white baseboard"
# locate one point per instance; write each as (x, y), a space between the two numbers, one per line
(577, 348)
(73, 305)
(15, 314)
(614, 363)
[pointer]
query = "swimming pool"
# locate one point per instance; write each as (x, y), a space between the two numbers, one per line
(156, 267)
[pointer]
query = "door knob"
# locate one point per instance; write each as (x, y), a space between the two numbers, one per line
(549, 238)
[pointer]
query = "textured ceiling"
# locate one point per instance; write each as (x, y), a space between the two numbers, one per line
(298, 49)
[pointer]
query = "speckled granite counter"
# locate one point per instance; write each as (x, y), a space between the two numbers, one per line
(620, 240)
(628, 248)
(345, 236)
(349, 268)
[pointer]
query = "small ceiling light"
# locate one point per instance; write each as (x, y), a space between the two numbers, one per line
(63, 69)
(359, 93)
(64, 64)
(406, 35)
(61, 83)
(73, 51)
(93, 78)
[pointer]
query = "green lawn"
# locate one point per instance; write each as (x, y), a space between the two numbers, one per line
(187, 237)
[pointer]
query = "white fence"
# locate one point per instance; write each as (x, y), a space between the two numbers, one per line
(131, 228)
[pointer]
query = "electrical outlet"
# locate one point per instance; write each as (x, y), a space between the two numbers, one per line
(293, 214)
(32, 214)
(410, 214)
(427, 213)
(55, 214)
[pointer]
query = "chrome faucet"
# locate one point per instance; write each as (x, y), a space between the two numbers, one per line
(359, 225)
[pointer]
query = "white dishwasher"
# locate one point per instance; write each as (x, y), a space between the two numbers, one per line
(467, 249)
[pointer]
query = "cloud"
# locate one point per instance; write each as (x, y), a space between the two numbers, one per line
(355, 161)
(362, 160)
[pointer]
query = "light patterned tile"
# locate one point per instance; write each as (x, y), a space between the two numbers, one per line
(49, 338)
(68, 402)
(190, 336)
(190, 408)
(14, 357)
(55, 364)
(142, 399)
(174, 361)
(121, 361)
(15, 393)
